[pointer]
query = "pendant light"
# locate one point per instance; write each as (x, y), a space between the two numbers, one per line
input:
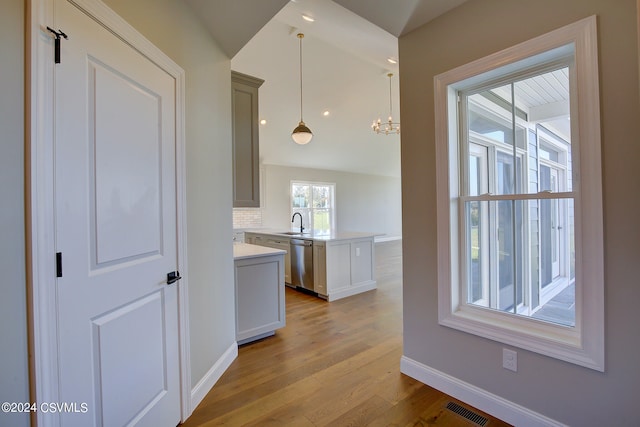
(302, 134)
(389, 126)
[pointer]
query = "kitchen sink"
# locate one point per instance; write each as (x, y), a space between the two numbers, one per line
(294, 233)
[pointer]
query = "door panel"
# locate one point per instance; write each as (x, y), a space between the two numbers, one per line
(116, 225)
(126, 169)
(119, 348)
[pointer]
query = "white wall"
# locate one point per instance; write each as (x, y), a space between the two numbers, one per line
(176, 30)
(14, 378)
(364, 202)
(565, 392)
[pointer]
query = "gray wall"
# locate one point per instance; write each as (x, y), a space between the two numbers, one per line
(567, 393)
(14, 378)
(363, 202)
(176, 30)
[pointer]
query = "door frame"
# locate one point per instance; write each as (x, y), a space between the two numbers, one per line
(40, 213)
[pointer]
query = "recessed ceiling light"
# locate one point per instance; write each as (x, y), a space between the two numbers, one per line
(263, 122)
(392, 60)
(325, 113)
(308, 18)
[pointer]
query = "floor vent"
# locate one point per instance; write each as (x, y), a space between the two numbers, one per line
(465, 413)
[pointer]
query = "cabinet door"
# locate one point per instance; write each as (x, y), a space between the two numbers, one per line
(246, 174)
(285, 245)
(260, 304)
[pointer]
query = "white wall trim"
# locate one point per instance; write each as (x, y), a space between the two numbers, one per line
(209, 379)
(490, 403)
(348, 291)
(583, 344)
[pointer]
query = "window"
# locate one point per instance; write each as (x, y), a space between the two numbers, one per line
(520, 229)
(316, 203)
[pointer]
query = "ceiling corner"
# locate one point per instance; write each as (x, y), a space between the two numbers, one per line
(232, 23)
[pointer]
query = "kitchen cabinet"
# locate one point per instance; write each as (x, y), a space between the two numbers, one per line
(344, 267)
(276, 242)
(245, 128)
(259, 287)
(343, 263)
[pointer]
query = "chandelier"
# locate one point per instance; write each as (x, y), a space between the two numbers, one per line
(389, 126)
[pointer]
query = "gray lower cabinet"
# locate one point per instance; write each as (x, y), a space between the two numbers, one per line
(260, 303)
(245, 118)
(277, 242)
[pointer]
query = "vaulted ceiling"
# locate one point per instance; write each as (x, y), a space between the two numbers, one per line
(345, 67)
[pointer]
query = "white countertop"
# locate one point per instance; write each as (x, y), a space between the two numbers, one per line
(339, 235)
(245, 250)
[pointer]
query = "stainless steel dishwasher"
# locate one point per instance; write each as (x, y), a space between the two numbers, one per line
(302, 264)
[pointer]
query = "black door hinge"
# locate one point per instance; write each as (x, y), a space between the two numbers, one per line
(58, 264)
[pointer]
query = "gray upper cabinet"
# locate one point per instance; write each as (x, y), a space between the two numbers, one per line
(246, 174)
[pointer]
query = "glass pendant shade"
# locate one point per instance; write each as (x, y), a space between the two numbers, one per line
(302, 134)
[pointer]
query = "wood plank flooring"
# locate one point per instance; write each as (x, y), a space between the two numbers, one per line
(334, 364)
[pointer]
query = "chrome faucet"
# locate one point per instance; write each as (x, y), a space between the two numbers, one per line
(294, 217)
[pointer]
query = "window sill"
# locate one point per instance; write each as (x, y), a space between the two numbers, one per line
(560, 342)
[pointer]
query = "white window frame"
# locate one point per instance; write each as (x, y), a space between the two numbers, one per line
(584, 343)
(311, 209)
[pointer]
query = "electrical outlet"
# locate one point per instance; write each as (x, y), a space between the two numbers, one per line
(509, 360)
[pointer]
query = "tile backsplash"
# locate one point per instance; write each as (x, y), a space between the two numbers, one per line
(247, 217)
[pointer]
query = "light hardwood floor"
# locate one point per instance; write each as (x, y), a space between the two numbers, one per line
(334, 364)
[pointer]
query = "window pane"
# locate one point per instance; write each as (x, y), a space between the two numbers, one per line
(556, 285)
(477, 219)
(509, 255)
(321, 196)
(301, 195)
(321, 221)
(508, 178)
(490, 114)
(495, 265)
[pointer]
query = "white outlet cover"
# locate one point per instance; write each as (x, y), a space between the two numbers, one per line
(510, 360)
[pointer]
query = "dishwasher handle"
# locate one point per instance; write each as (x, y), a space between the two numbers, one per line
(300, 242)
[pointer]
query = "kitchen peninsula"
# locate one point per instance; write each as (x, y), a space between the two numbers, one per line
(342, 263)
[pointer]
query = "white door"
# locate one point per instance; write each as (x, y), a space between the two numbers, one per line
(115, 207)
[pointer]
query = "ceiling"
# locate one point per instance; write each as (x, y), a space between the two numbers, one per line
(345, 68)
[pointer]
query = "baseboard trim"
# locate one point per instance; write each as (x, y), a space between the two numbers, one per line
(369, 285)
(492, 404)
(213, 375)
